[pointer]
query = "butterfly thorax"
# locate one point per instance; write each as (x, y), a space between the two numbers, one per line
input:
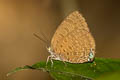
(53, 54)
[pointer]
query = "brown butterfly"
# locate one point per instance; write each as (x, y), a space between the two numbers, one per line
(72, 42)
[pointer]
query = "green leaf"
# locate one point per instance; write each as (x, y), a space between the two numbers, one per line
(110, 76)
(68, 71)
(18, 69)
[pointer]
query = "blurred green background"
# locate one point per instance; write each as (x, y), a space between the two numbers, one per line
(19, 19)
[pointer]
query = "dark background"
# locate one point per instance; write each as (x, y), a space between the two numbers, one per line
(19, 19)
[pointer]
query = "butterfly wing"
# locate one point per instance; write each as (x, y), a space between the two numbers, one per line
(72, 40)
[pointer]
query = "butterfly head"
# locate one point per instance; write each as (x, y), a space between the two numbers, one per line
(49, 49)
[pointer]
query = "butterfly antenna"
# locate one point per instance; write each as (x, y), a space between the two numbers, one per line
(44, 36)
(40, 38)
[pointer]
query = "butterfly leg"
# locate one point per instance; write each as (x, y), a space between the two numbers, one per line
(65, 64)
(51, 62)
(48, 59)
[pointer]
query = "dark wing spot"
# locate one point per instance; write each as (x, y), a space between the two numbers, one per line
(61, 35)
(67, 53)
(64, 50)
(61, 46)
(69, 47)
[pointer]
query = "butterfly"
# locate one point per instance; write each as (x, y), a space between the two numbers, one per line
(72, 42)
